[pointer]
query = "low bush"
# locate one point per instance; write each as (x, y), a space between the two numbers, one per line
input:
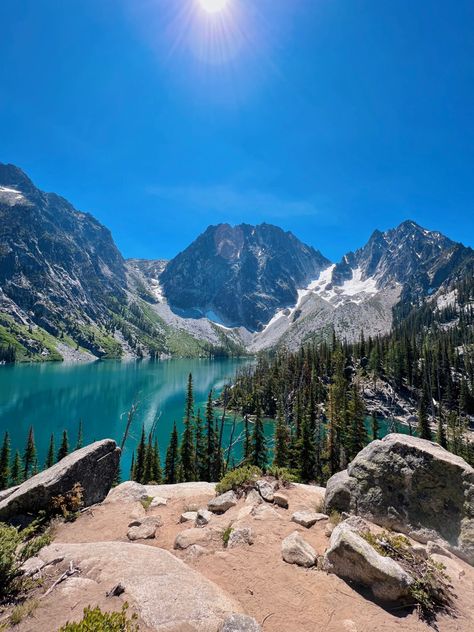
(22, 611)
(146, 502)
(239, 479)
(94, 620)
(283, 474)
(10, 573)
(69, 503)
(226, 535)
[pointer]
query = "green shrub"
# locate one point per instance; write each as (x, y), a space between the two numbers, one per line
(94, 620)
(226, 535)
(238, 479)
(10, 540)
(283, 474)
(31, 548)
(335, 517)
(69, 503)
(22, 611)
(431, 591)
(146, 502)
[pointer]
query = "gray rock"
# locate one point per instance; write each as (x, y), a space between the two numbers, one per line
(203, 517)
(264, 512)
(412, 486)
(166, 593)
(158, 501)
(141, 532)
(129, 491)
(266, 490)
(188, 537)
(295, 550)
(307, 518)
(188, 516)
(253, 498)
(240, 623)
(241, 536)
(183, 491)
(32, 566)
(220, 504)
(281, 500)
(93, 466)
(351, 557)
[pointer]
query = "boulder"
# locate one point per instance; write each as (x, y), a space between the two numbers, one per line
(145, 530)
(307, 518)
(266, 490)
(412, 486)
(240, 623)
(188, 537)
(264, 512)
(281, 500)
(351, 557)
(93, 466)
(295, 550)
(32, 566)
(241, 536)
(220, 504)
(166, 592)
(188, 516)
(127, 492)
(203, 517)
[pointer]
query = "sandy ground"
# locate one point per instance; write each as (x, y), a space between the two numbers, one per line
(282, 597)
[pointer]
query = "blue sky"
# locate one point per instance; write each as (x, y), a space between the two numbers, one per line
(327, 117)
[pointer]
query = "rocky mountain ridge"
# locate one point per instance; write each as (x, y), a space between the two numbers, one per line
(66, 291)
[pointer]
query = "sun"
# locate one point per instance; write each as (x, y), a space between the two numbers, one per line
(213, 6)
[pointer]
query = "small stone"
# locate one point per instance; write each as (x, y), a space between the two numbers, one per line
(203, 517)
(264, 512)
(158, 501)
(434, 548)
(32, 566)
(295, 550)
(142, 532)
(220, 504)
(307, 518)
(281, 500)
(188, 537)
(188, 516)
(240, 623)
(328, 529)
(266, 490)
(239, 537)
(253, 498)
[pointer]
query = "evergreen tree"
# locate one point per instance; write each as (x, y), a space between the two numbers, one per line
(441, 433)
(157, 474)
(357, 434)
(50, 456)
(423, 429)
(172, 458)
(247, 440)
(17, 470)
(187, 452)
(80, 438)
(308, 450)
(5, 462)
(200, 449)
(337, 411)
(132, 468)
(211, 439)
(64, 447)
(149, 461)
(374, 422)
(30, 455)
(282, 440)
(140, 459)
(259, 443)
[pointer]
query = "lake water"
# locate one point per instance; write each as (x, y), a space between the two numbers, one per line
(53, 397)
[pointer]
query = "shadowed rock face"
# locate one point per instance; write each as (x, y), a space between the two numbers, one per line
(242, 274)
(93, 466)
(413, 486)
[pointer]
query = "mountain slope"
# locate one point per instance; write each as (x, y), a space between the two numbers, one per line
(240, 275)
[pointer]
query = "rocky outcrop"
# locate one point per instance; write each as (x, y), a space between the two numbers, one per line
(295, 550)
(351, 557)
(152, 578)
(412, 486)
(93, 466)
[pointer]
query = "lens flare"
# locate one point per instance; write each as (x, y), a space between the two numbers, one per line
(213, 6)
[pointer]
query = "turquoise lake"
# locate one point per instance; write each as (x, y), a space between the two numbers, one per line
(53, 397)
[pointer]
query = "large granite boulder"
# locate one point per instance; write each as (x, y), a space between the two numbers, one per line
(166, 592)
(351, 557)
(93, 466)
(412, 486)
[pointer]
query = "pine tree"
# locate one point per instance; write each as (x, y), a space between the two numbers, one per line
(337, 411)
(157, 474)
(187, 452)
(423, 429)
(30, 455)
(374, 422)
(5, 462)
(259, 443)
(441, 433)
(50, 456)
(149, 460)
(132, 468)
(80, 438)
(17, 470)
(357, 434)
(211, 439)
(141, 457)
(247, 440)
(64, 447)
(282, 438)
(172, 458)
(200, 448)
(307, 450)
